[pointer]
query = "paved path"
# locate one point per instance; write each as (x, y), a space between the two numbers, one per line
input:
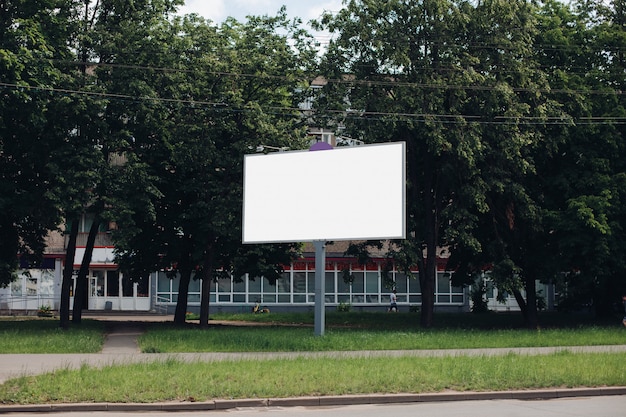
(121, 348)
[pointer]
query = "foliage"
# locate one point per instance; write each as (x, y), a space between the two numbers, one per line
(344, 307)
(477, 294)
(513, 113)
(194, 153)
(31, 41)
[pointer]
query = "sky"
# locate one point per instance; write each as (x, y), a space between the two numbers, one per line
(219, 10)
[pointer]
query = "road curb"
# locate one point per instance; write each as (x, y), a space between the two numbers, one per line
(545, 394)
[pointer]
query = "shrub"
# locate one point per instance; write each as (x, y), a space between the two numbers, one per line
(344, 307)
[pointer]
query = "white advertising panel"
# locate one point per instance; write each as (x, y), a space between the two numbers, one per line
(346, 193)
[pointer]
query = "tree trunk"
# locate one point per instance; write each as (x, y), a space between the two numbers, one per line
(431, 226)
(427, 283)
(183, 297)
(66, 285)
(207, 276)
(531, 319)
(80, 294)
(183, 287)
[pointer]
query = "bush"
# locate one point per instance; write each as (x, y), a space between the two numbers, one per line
(344, 307)
(479, 301)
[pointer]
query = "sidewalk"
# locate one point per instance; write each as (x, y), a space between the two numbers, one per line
(121, 348)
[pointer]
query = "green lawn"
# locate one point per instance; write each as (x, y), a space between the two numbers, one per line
(43, 335)
(174, 381)
(170, 380)
(377, 331)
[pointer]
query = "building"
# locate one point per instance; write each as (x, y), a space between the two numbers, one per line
(347, 282)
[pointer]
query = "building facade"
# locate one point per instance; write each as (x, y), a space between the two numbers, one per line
(346, 283)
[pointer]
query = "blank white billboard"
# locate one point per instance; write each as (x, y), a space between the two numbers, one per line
(346, 193)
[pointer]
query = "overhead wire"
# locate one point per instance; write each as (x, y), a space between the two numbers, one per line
(351, 115)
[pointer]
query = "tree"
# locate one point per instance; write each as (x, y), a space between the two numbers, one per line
(584, 178)
(229, 90)
(32, 37)
(435, 74)
(86, 163)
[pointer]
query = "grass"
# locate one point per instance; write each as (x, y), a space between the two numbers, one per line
(171, 380)
(43, 335)
(175, 381)
(373, 331)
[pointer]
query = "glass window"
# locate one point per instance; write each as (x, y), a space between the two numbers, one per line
(299, 283)
(414, 284)
(401, 282)
(330, 282)
(113, 284)
(224, 292)
(98, 284)
(343, 287)
(330, 287)
(239, 286)
(443, 283)
(143, 289)
(284, 283)
(269, 287)
(31, 284)
(223, 285)
(358, 298)
(127, 286)
(194, 285)
(254, 284)
(358, 285)
(175, 283)
(16, 288)
(163, 282)
(415, 299)
(310, 279)
(46, 283)
(371, 282)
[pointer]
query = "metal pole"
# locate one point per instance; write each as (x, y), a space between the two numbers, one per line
(320, 296)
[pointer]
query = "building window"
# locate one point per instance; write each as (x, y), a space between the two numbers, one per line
(299, 287)
(113, 284)
(16, 288)
(283, 285)
(371, 287)
(97, 284)
(193, 296)
(239, 290)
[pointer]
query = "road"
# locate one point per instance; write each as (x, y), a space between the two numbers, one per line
(607, 406)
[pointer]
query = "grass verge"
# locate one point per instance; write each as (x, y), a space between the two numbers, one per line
(43, 335)
(374, 331)
(175, 381)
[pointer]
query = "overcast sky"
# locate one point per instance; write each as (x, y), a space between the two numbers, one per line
(218, 10)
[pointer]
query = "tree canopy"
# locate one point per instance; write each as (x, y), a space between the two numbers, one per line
(513, 113)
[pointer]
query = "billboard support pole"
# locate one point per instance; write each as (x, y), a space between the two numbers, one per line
(320, 293)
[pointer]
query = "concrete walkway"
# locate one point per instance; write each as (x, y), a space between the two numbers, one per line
(121, 348)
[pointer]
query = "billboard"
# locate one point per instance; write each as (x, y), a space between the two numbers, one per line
(346, 193)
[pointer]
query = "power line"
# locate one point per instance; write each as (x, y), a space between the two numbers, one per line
(374, 83)
(347, 115)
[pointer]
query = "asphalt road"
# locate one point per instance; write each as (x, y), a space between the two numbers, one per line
(606, 406)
